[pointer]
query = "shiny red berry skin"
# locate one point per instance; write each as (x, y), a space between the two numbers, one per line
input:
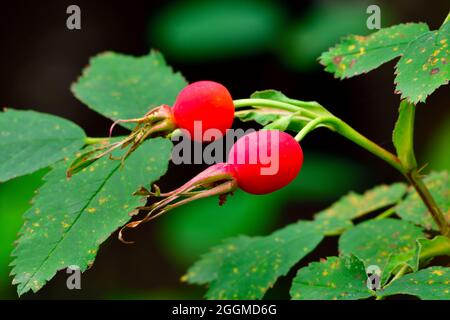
(208, 102)
(265, 161)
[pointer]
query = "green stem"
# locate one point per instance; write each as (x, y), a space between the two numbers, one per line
(353, 135)
(385, 214)
(348, 132)
(94, 140)
(423, 192)
(267, 103)
(310, 126)
(340, 126)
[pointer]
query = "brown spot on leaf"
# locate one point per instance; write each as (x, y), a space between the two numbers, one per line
(434, 71)
(352, 63)
(337, 59)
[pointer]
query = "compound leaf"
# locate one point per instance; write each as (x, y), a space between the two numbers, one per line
(121, 87)
(432, 283)
(250, 270)
(336, 278)
(31, 140)
(69, 219)
(375, 241)
(355, 54)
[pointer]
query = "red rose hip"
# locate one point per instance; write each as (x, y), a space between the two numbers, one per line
(205, 102)
(265, 161)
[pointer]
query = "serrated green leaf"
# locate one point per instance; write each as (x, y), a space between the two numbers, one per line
(429, 284)
(15, 197)
(355, 54)
(342, 278)
(403, 135)
(425, 249)
(69, 219)
(205, 270)
(31, 140)
(375, 241)
(122, 87)
(249, 272)
(413, 209)
(425, 65)
(355, 205)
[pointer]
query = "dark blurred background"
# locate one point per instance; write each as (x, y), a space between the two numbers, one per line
(247, 46)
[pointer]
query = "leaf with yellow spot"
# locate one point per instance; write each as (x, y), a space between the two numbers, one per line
(336, 278)
(121, 87)
(355, 54)
(70, 230)
(31, 140)
(205, 270)
(432, 283)
(255, 264)
(356, 205)
(426, 59)
(376, 241)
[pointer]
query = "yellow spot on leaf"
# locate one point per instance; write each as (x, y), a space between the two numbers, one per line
(235, 270)
(438, 272)
(91, 210)
(409, 61)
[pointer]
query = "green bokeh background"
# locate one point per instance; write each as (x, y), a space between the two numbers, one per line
(248, 45)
